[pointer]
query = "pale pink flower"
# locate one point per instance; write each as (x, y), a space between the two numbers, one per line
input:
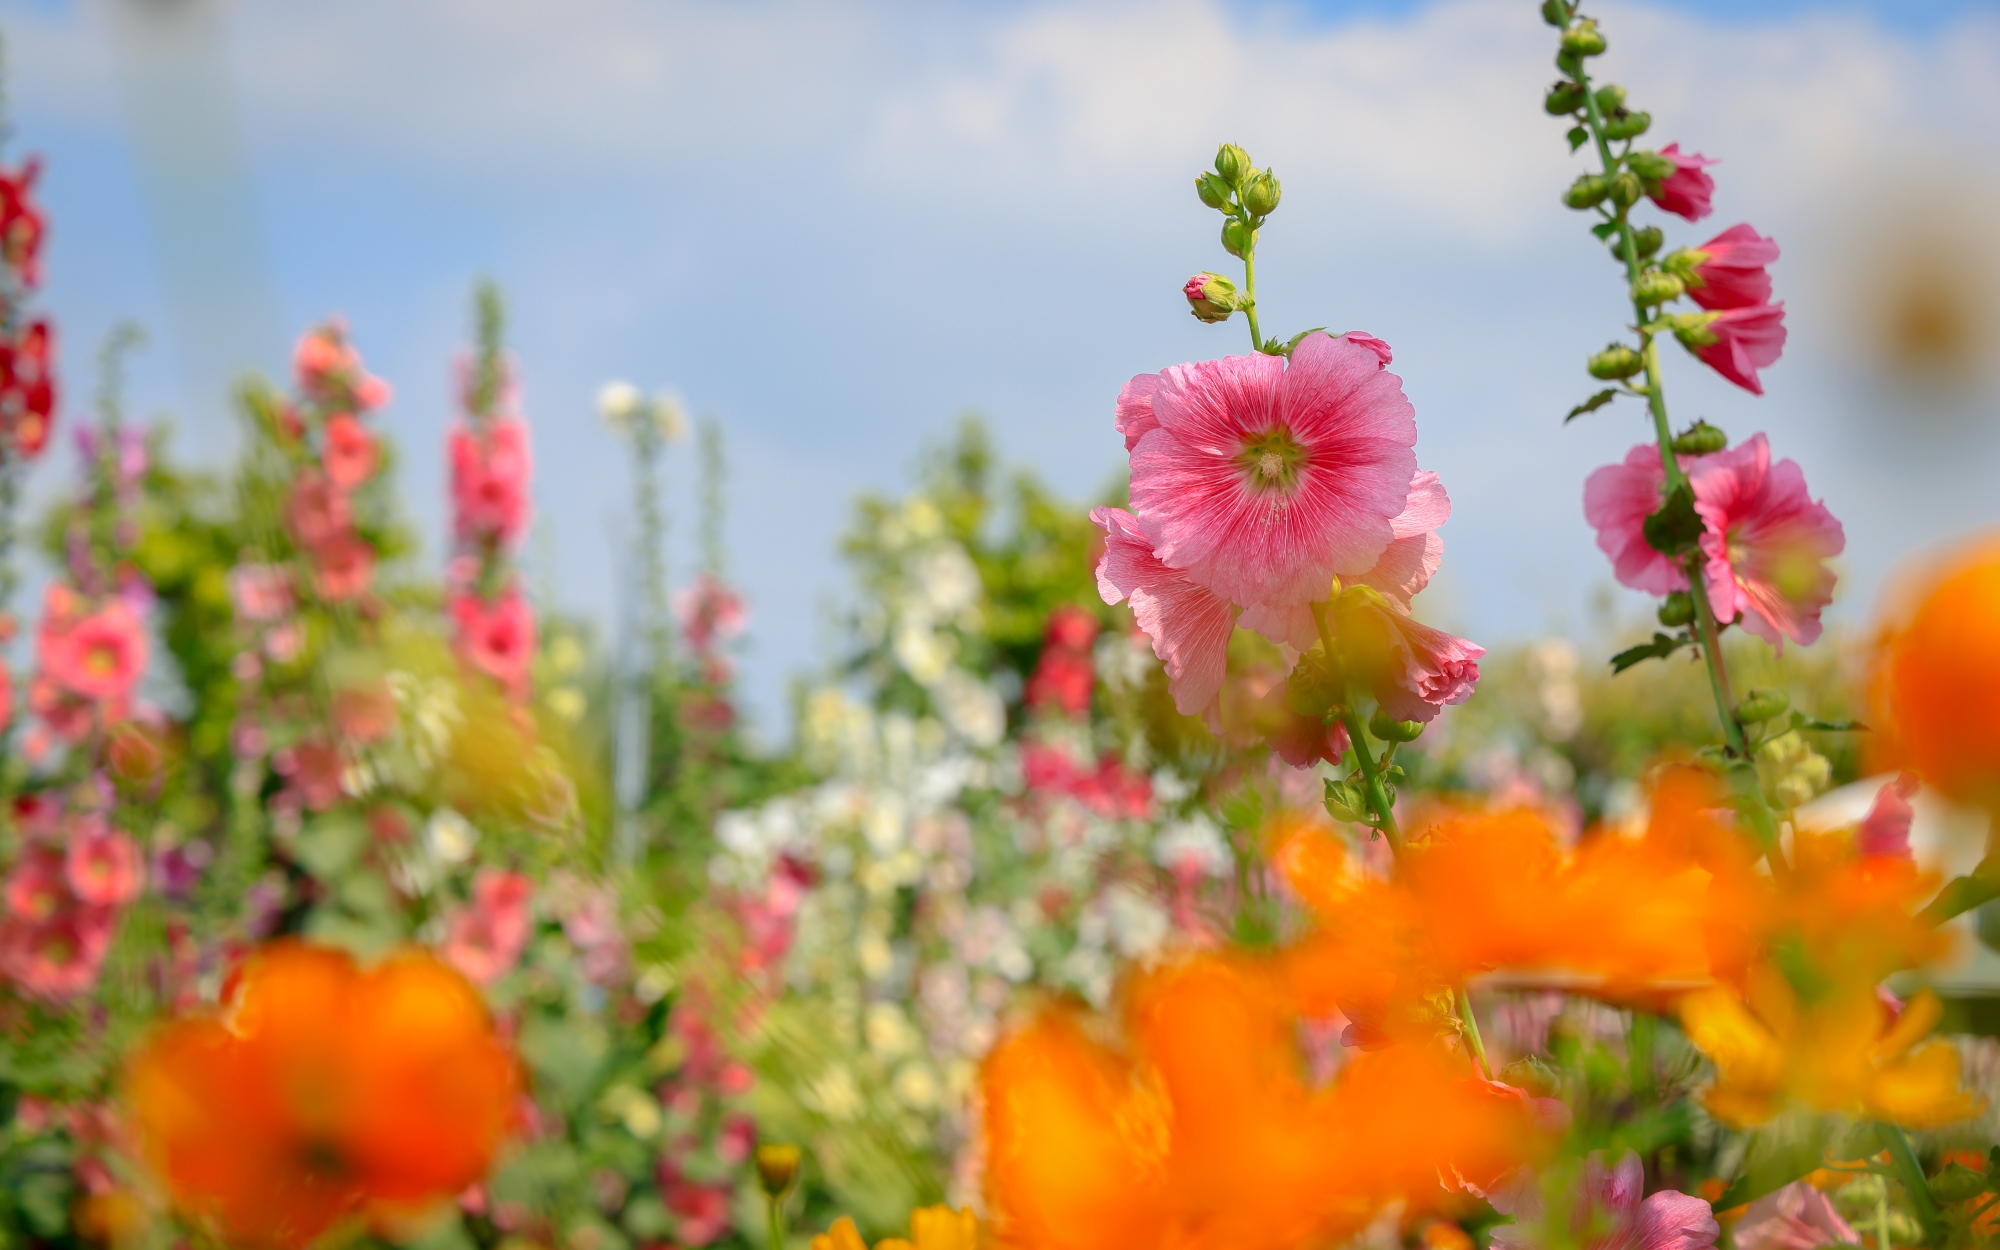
(1362, 339)
(710, 612)
(1685, 192)
(317, 510)
(1766, 542)
(1610, 1211)
(1617, 499)
(1135, 409)
(1189, 625)
(102, 865)
(497, 638)
(343, 567)
(1729, 271)
(350, 454)
(1264, 480)
(1736, 342)
(484, 940)
(1797, 1217)
(261, 592)
(489, 482)
(38, 886)
(1884, 833)
(1414, 551)
(99, 657)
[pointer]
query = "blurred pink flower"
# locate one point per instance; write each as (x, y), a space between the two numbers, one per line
(1611, 1211)
(497, 638)
(1884, 833)
(1617, 499)
(1797, 1217)
(60, 957)
(1188, 624)
(1064, 675)
(1265, 480)
(485, 939)
(99, 656)
(350, 455)
(6, 696)
(489, 482)
(1736, 342)
(1300, 741)
(261, 592)
(1414, 551)
(1685, 192)
(102, 865)
(1766, 542)
(1730, 270)
(1413, 670)
(343, 567)
(710, 612)
(38, 886)
(317, 510)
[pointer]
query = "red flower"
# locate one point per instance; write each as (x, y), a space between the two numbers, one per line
(21, 224)
(489, 482)
(317, 510)
(1064, 677)
(343, 566)
(1728, 270)
(350, 455)
(27, 389)
(497, 638)
(1735, 342)
(1686, 191)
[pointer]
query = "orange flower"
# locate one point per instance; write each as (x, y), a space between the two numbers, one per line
(1936, 679)
(321, 1091)
(1200, 1129)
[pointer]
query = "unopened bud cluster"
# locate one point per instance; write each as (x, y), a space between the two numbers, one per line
(1245, 195)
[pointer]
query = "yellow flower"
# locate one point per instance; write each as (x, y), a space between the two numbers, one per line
(931, 1228)
(1836, 1053)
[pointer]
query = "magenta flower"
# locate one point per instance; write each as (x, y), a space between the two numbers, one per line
(1884, 833)
(102, 865)
(1797, 1217)
(1189, 625)
(1263, 481)
(1617, 499)
(1685, 192)
(485, 940)
(1735, 342)
(1611, 1211)
(1766, 542)
(1729, 271)
(489, 482)
(497, 638)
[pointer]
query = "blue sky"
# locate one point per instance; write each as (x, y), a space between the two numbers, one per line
(836, 226)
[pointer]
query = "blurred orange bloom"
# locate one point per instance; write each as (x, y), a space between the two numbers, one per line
(1936, 678)
(931, 1228)
(321, 1091)
(1197, 1127)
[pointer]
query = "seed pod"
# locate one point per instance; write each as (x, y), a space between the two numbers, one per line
(1700, 439)
(1625, 188)
(1564, 98)
(1761, 705)
(1647, 240)
(1583, 39)
(1677, 609)
(1555, 12)
(1237, 238)
(1650, 165)
(1587, 191)
(1656, 286)
(1610, 98)
(1261, 193)
(1624, 125)
(1615, 363)
(1387, 730)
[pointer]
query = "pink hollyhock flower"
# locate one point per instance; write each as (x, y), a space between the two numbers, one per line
(313, 768)
(1413, 670)
(1685, 192)
(1134, 415)
(64, 714)
(485, 939)
(6, 696)
(1611, 1211)
(98, 657)
(497, 638)
(102, 865)
(350, 454)
(1735, 342)
(489, 482)
(261, 592)
(318, 353)
(61, 957)
(1264, 480)
(1617, 499)
(1064, 676)
(1729, 270)
(316, 511)
(1300, 741)
(1373, 344)
(1189, 625)
(343, 567)
(710, 612)
(1884, 833)
(364, 713)
(1414, 551)
(1766, 542)
(38, 887)
(1797, 1217)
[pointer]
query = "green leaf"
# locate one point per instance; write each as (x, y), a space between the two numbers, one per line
(1676, 527)
(1604, 229)
(1769, 1168)
(1662, 646)
(1578, 136)
(329, 844)
(1592, 404)
(1801, 721)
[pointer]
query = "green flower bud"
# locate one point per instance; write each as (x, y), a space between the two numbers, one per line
(1583, 39)
(1625, 188)
(778, 1167)
(1683, 261)
(1587, 191)
(1624, 125)
(1761, 705)
(1677, 610)
(1691, 328)
(1700, 439)
(1647, 239)
(1564, 98)
(1616, 362)
(1345, 802)
(1956, 1184)
(1610, 98)
(1213, 191)
(1650, 165)
(1570, 63)
(1233, 163)
(1211, 297)
(1656, 286)
(1260, 194)
(1387, 730)
(1237, 238)
(1555, 12)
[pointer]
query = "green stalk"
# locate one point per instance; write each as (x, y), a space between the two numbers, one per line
(1250, 286)
(776, 1222)
(1911, 1174)
(1468, 1026)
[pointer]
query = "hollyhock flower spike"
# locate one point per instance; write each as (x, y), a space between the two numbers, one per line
(1189, 625)
(1735, 342)
(1729, 270)
(351, 455)
(489, 482)
(1687, 190)
(496, 638)
(1263, 480)
(1766, 542)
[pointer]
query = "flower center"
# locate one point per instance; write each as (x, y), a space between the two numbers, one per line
(1271, 460)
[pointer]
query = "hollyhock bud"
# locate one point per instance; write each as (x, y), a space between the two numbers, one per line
(1700, 439)
(1761, 705)
(1564, 98)
(1237, 238)
(1735, 342)
(1675, 180)
(1587, 191)
(1646, 240)
(1583, 39)
(1261, 194)
(1615, 363)
(1556, 12)
(1610, 98)
(1677, 610)
(1211, 297)
(1233, 163)
(1213, 191)
(1728, 271)
(1656, 286)
(1624, 125)
(1625, 188)
(1388, 730)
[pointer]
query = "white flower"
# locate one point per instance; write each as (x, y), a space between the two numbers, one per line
(619, 402)
(948, 579)
(449, 837)
(1139, 926)
(922, 651)
(1194, 842)
(915, 1087)
(834, 1094)
(887, 1030)
(971, 707)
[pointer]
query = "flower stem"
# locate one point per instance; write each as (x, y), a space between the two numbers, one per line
(1250, 288)
(1468, 1027)
(775, 1205)
(1371, 776)
(1911, 1174)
